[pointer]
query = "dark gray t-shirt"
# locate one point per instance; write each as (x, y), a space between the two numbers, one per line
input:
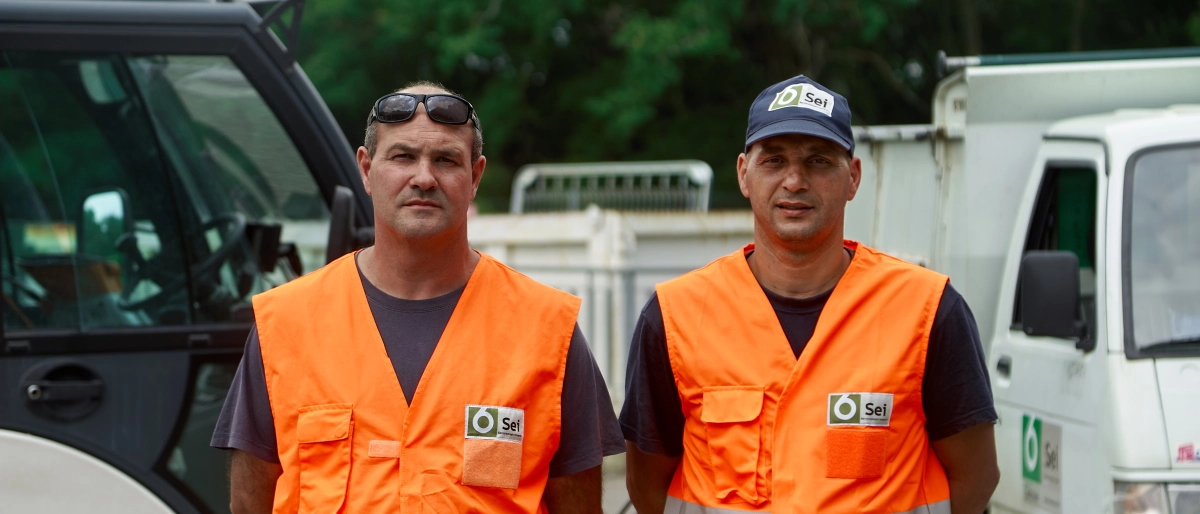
(410, 330)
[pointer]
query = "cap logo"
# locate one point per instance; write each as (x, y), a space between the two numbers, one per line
(806, 96)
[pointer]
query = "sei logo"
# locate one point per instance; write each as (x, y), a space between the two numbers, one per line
(493, 422)
(1041, 468)
(862, 409)
(806, 96)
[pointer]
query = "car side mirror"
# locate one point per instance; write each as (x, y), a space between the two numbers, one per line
(344, 237)
(104, 217)
(1050, 297)
(341, 224)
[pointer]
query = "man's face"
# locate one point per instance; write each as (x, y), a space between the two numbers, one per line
(798, 187)
(421, 178)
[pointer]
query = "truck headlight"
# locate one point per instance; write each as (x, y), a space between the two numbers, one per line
(1146, 498)
(1185, 498)
(1139, 498)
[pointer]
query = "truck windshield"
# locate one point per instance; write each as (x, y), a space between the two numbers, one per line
(1164, 247)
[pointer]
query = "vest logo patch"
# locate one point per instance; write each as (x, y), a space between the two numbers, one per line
(860, 409)
(493, 422)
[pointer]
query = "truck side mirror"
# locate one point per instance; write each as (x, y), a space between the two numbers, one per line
(1050, 297)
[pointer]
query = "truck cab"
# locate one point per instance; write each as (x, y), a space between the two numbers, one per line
(1096, 373)
(160, 163)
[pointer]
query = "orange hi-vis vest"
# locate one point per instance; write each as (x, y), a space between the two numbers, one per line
(485, 418)
(841, 429)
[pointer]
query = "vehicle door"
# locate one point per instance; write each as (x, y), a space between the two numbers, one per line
(159, 165)
(1049, 391)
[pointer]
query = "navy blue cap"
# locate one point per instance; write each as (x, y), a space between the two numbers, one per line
(799, 105)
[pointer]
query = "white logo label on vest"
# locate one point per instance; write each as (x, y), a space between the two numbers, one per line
(493, 422)
(807, 96)
(860, 409)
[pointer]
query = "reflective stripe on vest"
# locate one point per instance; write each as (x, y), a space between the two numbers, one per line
(740, 385)
(942, 507)
(677, 506)
(484, 421)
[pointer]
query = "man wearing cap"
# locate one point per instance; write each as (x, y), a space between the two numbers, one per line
(417, 375)
(806, 373)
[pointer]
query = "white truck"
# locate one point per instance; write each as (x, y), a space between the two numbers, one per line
(1063, 200)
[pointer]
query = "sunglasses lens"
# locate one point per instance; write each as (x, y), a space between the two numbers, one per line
(395, 108)
(447, 109)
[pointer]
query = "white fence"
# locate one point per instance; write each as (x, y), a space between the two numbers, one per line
(610, 259)
(627, 186)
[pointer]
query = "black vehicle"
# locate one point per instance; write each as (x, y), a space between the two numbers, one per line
(160, 163)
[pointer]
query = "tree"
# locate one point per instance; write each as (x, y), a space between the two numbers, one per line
(576, 80)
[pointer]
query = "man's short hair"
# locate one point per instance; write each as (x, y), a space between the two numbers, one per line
(371, 138)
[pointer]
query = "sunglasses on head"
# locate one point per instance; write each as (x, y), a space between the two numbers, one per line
(442, 108)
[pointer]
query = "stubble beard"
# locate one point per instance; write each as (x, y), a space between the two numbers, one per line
(422, 225)
(418, 224)
(804, 234)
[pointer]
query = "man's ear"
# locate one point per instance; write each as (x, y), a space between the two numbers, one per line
(855, 177)
(364, 167)
(742, 163)
(477, 174)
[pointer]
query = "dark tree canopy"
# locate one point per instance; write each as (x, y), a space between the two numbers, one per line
(575, 80)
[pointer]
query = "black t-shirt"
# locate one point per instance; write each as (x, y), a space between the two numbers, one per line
(410, 330)
(955, 392)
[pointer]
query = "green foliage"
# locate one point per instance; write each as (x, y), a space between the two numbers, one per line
(1193, 27)
(575, 80)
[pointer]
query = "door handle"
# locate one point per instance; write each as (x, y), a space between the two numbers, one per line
(63, 390)
(1004, 365)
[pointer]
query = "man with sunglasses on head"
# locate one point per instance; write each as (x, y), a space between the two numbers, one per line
(417, 375)
(806, 373)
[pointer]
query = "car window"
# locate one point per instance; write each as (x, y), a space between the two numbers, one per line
(144, 191)
(1064, 218)
(1163, 254)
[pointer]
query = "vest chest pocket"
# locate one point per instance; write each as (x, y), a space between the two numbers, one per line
(490, 463)
(733, 432)
(857, 453)
(324, 434)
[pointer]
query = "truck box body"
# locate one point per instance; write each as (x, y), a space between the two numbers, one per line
(961, 178)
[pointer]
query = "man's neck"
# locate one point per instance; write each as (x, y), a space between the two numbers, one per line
(798, 274)
(418, 270)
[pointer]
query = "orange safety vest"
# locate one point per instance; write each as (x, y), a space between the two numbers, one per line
(841, 429)
(485, 419)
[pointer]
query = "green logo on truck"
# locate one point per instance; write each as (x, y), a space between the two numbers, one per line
(1031, 448)
(1041, 464)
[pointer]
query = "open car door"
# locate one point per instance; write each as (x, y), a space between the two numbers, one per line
(160, 163)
